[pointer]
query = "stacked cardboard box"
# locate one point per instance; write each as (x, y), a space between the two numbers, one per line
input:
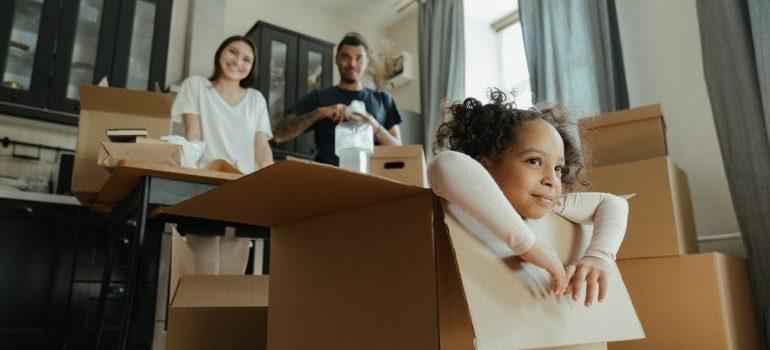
(685, 300)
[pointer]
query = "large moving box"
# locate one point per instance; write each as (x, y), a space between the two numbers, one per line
(625, 136)
(660, 221)
(701, 301)
(103, 108)
(362, 262)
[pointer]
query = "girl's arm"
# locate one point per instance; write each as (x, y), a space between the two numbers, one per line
(464, 182)
(606, 212)
(192, 127)
(263, 155)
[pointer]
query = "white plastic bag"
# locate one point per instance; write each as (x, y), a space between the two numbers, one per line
(191, 150)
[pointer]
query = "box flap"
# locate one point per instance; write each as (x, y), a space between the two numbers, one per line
(623, 116)
(126, 101)
(291, 191)
(221, 291)
(508, 300)
(397, 151)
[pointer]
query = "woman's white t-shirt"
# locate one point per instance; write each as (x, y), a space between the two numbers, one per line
(227, 130)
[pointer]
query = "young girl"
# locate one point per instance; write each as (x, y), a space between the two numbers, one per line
(505, 165)
(231, 117)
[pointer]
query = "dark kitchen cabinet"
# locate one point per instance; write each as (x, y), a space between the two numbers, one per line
(291, 65)
(50, 47)
(36, 260)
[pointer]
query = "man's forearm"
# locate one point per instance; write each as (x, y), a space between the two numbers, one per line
(292, 126)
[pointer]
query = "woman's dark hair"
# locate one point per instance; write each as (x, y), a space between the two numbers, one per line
(251, 79)
(353, 39)
(488, 130)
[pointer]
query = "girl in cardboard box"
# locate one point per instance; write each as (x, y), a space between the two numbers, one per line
(504, 165)
(232, 119)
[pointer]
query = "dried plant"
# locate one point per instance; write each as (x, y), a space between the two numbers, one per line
(384, 63)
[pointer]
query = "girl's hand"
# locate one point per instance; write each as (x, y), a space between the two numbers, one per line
(592, 271)
(543, 257)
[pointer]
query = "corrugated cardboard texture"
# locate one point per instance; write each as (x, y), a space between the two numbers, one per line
(353, 264)
(701, 301)
(219, 312)
(111, 108)
(358, 279)
(291, 191)
(401, 163)
(625, 136)
(660, 221)
(500, 289)
(111, 153)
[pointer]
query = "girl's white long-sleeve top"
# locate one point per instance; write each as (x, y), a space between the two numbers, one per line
(465, 183)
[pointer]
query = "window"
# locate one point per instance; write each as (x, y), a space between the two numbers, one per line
(513, 63)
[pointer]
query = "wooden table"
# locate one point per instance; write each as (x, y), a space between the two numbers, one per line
(132, 192)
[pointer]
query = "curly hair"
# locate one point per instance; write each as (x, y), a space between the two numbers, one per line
(488, 130)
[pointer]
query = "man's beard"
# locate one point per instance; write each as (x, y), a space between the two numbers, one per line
(347, 80)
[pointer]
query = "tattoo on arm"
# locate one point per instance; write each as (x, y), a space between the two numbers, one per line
(292, 126)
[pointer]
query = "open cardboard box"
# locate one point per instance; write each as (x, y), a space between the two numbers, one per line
(362, 262)
(625, 136)
(660, 221)
(103, 108)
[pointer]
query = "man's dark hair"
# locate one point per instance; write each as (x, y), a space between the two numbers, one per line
(353, 39)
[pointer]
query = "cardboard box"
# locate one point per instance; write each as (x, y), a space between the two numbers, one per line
(111, 153)
(660, 220)
(701, 301)
(625, 136)
(103, 108)
(362, 262)
(401, 163)
(218, 312)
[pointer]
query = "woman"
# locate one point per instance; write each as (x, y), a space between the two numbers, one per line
(231, 118)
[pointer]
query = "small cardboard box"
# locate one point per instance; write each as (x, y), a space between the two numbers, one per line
(111, 153)
(103, 108)
(660, 219)
(625, 136)
(401, 163)
(701, 301)
(218, 312)
(362, 262)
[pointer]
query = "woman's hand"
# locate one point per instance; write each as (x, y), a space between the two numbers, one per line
(591, 270)
(545, 258)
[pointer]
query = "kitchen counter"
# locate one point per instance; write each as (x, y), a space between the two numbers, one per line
(39, 197)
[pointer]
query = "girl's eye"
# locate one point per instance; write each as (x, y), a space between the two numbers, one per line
(558, 168)
(534, 161)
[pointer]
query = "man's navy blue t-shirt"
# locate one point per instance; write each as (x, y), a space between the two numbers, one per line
(378, 103)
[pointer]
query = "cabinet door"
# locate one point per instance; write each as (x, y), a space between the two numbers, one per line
(314, 72)
(86, 44)
(36, 259)
(277, 75)
(27, 31)
(142, 44)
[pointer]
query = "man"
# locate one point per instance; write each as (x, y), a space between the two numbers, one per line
(322, 109)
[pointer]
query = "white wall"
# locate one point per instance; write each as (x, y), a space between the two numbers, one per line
(404, 36)
(662, 56)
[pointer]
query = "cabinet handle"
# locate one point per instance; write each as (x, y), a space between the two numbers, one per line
(24, 210)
